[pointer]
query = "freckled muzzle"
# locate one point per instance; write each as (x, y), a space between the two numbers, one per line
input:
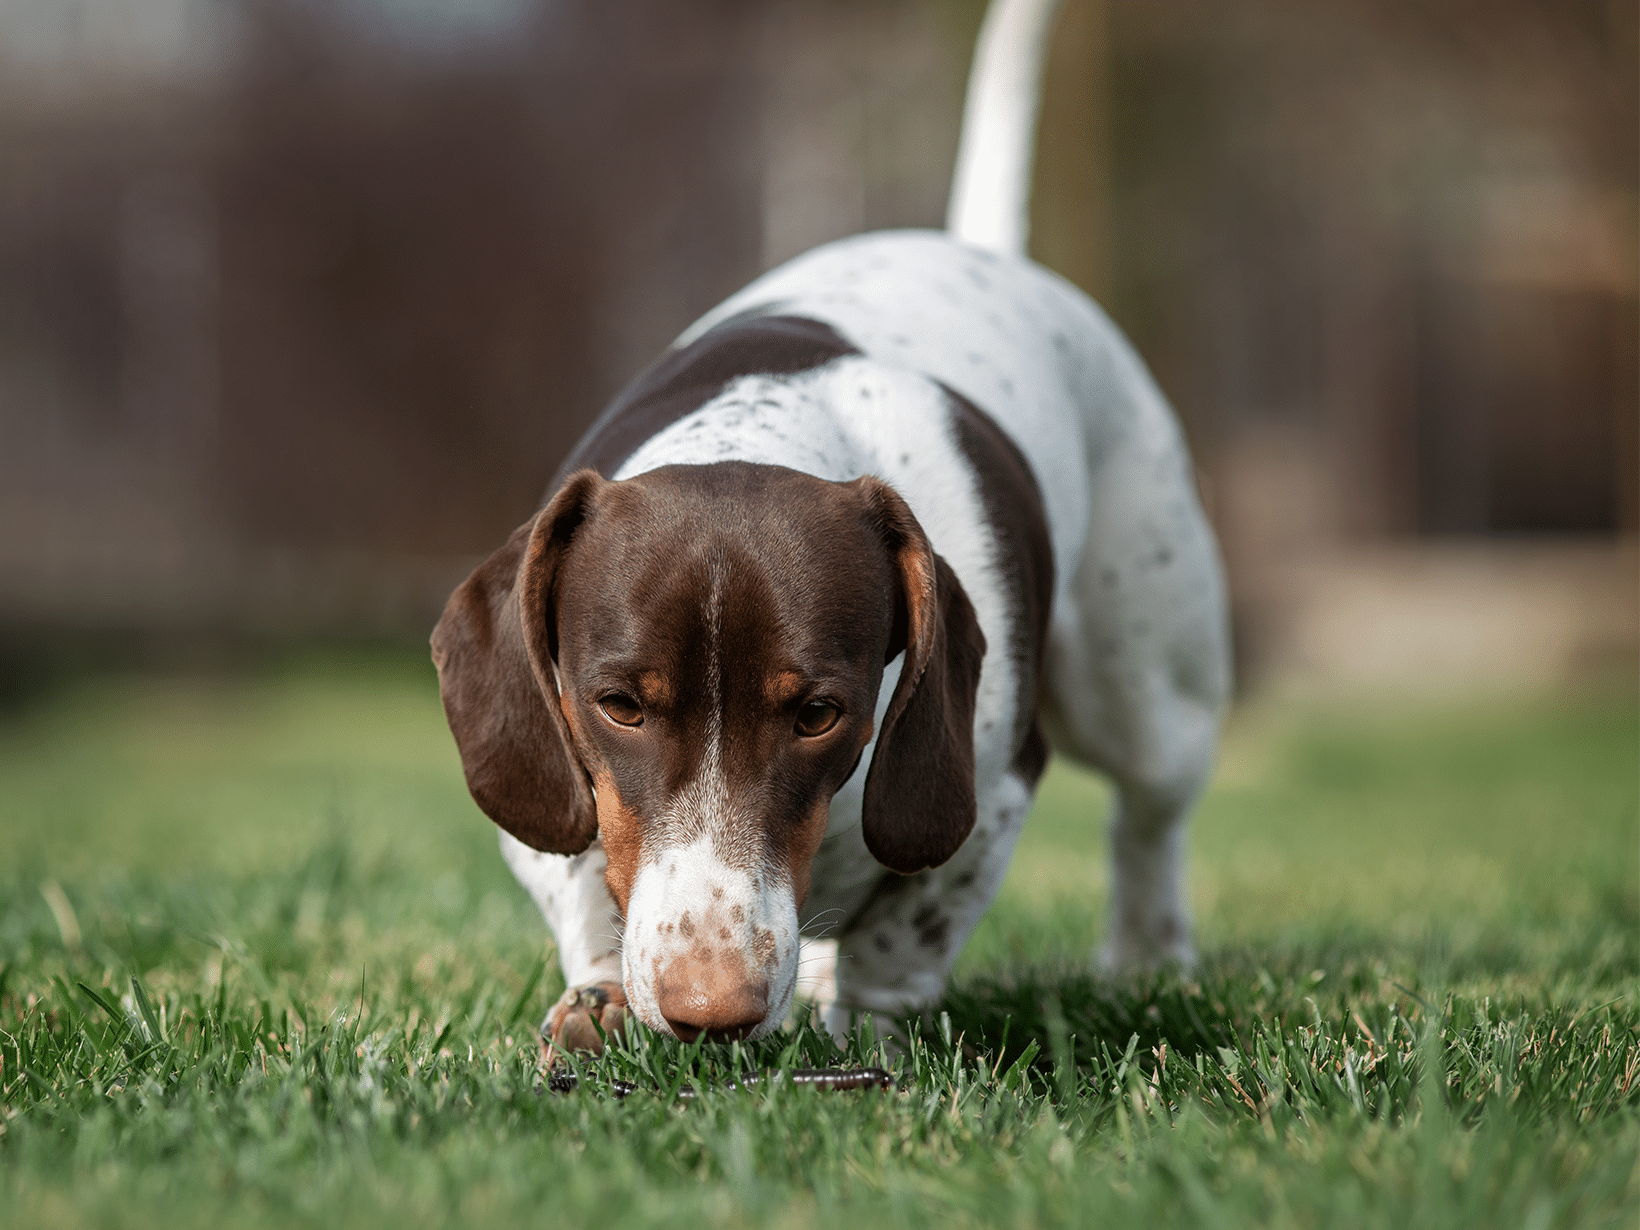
(709, 949)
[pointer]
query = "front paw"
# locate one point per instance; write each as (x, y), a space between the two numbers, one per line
(569, 1026)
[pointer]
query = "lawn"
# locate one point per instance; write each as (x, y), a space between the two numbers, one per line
(261, 964)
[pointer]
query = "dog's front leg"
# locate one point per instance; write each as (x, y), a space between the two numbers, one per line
(573, 898)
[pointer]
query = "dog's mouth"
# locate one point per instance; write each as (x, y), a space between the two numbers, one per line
(689, 1033)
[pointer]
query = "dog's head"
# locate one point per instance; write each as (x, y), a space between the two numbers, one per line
(686, 664)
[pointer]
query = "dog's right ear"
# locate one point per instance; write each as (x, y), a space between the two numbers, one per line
(494, 649)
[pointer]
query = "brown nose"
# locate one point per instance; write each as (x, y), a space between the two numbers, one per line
(711, 994)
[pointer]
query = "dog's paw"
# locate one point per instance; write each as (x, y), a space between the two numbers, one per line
(569, 1026)
(1134, 950)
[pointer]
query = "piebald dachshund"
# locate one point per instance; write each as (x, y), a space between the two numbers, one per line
(783, 653)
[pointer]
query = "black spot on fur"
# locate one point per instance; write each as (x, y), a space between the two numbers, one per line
(935, 934)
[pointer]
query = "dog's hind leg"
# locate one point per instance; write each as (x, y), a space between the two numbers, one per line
(1138, 674)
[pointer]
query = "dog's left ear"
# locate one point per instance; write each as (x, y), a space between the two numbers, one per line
(919, 796)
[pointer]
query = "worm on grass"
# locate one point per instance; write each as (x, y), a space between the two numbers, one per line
(811, 1078)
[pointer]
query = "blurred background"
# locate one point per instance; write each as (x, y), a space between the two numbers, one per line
(301, 301)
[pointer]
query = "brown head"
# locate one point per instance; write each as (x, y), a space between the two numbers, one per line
(686, 664)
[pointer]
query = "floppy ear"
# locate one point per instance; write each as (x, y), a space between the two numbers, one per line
(494, 648)
(919, 796)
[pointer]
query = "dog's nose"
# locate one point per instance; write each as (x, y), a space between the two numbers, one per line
(711, 995)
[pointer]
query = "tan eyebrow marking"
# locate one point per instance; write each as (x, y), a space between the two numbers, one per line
(782, 687)
(655, 688)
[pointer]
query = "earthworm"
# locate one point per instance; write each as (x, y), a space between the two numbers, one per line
(813, 1078)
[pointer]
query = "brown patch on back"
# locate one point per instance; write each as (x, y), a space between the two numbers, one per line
(1013, 507)
(682, 381)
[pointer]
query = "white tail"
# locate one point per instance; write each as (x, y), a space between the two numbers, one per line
(991, 189)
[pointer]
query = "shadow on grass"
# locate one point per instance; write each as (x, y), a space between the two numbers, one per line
(1084, 1013)
(1341, 983)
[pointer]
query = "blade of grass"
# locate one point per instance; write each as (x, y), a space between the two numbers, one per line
(523, 999)
(146, 1008)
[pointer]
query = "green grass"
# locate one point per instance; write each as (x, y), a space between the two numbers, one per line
(261, 964)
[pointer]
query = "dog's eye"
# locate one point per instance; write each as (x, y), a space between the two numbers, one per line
(816, 718)
(622, 710)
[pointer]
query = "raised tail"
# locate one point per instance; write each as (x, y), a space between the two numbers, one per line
(991, 190)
